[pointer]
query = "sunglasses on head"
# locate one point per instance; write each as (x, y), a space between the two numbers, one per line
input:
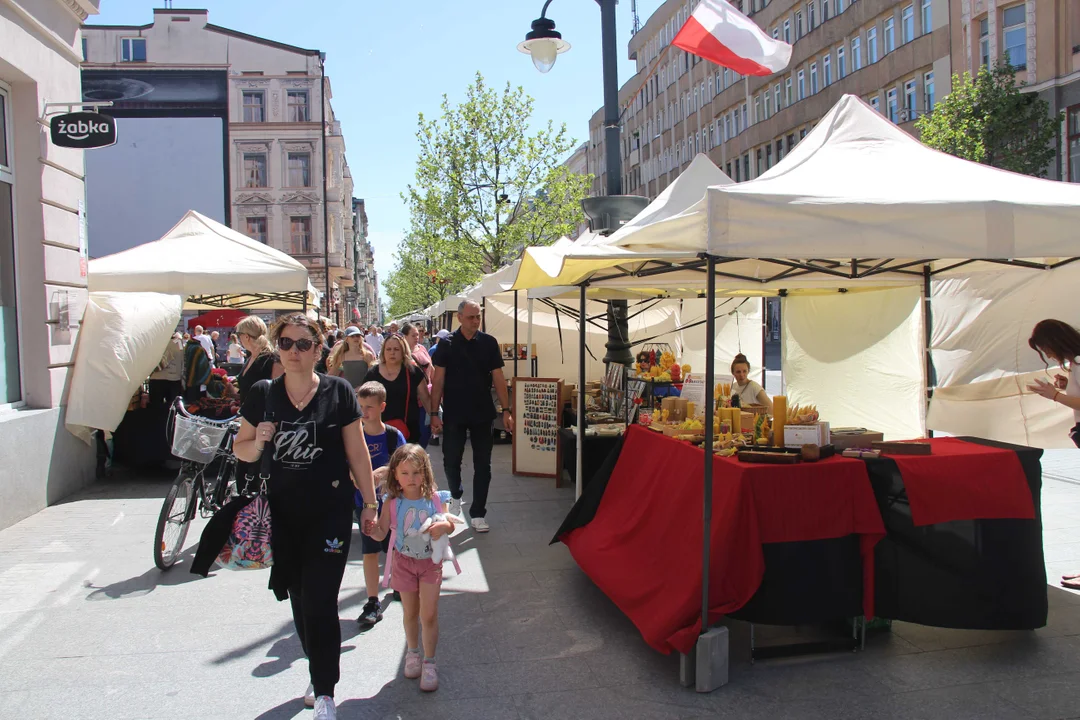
(303, 344)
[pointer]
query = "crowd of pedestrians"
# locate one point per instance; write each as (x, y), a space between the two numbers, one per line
(346, 415)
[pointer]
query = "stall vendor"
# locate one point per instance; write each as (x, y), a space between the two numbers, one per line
(748, 391)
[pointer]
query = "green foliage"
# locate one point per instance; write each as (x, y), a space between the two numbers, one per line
(988, 120)
(485, 189)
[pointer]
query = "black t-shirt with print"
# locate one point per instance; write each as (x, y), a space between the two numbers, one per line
(308, 447)
(396, 396)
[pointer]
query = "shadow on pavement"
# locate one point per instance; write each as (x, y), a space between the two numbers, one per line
(149, 581)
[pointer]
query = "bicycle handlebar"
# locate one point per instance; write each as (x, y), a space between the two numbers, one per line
(178, 405)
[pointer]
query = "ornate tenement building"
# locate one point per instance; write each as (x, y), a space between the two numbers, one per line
(898, 56)
(282, 133)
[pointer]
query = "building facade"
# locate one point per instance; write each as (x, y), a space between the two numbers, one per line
(286, 178)
(578, 164)
(42, 282)
(898, 55)
(364, 296)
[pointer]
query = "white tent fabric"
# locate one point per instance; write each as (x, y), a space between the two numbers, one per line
(122, 339)
(859, 358)
(199, 256)
(981, 324)
(860, 187)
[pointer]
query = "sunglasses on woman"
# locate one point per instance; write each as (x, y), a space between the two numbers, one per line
(303, 344)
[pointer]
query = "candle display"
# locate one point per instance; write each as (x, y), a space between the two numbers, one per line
(779, 419)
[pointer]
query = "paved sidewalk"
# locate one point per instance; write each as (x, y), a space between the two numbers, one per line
(90, 629)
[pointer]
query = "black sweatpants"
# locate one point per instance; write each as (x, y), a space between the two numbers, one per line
(318, 542)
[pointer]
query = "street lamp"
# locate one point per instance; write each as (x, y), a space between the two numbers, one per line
(544, 43)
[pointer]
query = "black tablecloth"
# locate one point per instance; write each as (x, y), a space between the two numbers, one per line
(597, 449)
(973, 574)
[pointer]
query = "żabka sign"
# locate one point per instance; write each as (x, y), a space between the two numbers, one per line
(83, 130)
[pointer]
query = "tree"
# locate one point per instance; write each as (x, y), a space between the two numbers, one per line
(489, 186)
(988, 120)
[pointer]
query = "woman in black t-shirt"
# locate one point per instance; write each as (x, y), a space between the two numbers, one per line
(311, 424)
(262, 362)
(404, 383)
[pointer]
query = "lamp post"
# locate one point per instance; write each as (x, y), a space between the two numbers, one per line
(545, 44)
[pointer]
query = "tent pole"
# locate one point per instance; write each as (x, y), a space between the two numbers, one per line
(928, 332)
(516, 353)
(580, 469)
(483, 314)
(528, 337)
(710, 372)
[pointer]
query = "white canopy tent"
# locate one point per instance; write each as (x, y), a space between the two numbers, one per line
(210, 265)
(138, 294)
(858, 205)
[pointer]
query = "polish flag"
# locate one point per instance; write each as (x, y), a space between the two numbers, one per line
(716, 31)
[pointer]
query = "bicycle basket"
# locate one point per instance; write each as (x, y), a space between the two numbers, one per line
(195, 441)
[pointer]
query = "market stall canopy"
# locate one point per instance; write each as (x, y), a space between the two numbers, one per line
(208, 263)
(874, 202)
(219, 318)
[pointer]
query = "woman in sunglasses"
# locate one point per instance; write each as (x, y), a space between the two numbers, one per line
(315, 438)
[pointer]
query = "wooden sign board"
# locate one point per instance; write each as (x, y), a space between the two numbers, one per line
(537, 414)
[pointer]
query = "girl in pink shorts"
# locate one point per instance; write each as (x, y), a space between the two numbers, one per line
(410, 487)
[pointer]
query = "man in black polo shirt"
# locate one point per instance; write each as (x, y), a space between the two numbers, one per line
(466, 365)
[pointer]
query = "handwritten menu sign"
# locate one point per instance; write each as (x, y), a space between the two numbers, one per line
(537, 413)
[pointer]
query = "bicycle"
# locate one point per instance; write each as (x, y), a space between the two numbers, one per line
(198, 442)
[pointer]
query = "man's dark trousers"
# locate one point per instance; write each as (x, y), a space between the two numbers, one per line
(453, 448)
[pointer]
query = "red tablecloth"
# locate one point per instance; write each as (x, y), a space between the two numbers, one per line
(964, 481)
(643, 547)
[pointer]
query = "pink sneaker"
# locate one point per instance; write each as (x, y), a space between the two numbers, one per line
(429, 680)
(413, 661)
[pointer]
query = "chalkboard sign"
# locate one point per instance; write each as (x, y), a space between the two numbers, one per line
(537, 412)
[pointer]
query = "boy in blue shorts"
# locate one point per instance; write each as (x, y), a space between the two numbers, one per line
(382, 440)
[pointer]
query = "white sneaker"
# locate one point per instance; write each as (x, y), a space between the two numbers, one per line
(455, 507)
(324, 708)
(309, 696)
(480, 525)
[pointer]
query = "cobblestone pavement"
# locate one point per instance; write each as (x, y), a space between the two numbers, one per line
(90, 629)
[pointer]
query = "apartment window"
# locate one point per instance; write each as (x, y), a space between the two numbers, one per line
(299, 169)
(727, 128)
(745, 124)
(10, 382)
(300, 234)
(760, 163)
(133, 49)
(909, 99)
(840, 6)
(746, 166)
(776, 33)
(928, 89)
(811, 16)
(298, 106)
(871, 46)
(779, 150)
(798, 25)
(1014, 35)
(84, 49)
(984, 41)
(856, 53)
(827, 68)
(256, 229)
(727, 78)
(825, 10)
(1074, 143)
(907, 24)
(813, 79)
(757, 110)
(254, 107)
(801, 93)
(255, 170)
(841, 63)
(890, 35)
(768, 156)
(787, 92)
(776, 97)
(875, 103)
(890, 104)
(787, 33)
(927, 17)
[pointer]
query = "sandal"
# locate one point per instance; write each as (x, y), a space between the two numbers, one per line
(1071, 583)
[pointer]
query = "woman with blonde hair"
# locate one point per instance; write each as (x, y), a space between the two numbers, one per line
(351, 358)
(262, 362)
(405, 384)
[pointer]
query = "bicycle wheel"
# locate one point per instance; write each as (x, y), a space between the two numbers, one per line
(174, 520)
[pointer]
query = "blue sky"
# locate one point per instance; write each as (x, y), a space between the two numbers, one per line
(389, 61)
